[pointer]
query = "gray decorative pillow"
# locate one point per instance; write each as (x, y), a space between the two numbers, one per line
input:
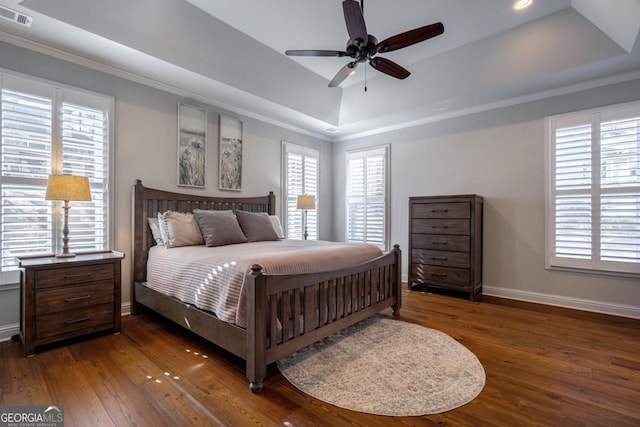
(219, 227)
(154, 225)
(181, 229)
(256, 226)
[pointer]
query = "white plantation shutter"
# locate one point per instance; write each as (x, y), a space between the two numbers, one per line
(46, 130)
(300, 177)
(367, 196)
(594, 190)
(85, 152)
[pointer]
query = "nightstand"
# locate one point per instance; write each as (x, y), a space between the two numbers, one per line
(63, 298)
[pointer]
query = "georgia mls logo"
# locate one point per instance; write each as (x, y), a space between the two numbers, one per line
(53, 408)
(31, 416)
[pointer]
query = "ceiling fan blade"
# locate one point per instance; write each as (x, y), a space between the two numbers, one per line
(344, 72)
(315, 53)
(356, 27)
(410, 37)
(389, 67)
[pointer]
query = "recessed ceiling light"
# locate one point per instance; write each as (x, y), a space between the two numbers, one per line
(522, 4)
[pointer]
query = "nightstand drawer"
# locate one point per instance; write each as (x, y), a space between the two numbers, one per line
(441, 210)
(443, 258)
(62, 323)
(440, 226)
(72, 298)
(74, 275)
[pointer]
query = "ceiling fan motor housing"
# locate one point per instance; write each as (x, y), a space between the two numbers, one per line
(362, 52)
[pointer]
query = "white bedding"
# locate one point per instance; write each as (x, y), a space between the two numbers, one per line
(213, 278)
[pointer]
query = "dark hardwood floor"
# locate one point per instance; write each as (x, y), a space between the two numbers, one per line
(545, 366)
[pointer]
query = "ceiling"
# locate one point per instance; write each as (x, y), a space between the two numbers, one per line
(230, 54)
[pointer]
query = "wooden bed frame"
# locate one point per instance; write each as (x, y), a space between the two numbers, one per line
(284, 312)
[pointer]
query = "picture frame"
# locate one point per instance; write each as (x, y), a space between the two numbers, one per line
(192, 145)
(230, 154)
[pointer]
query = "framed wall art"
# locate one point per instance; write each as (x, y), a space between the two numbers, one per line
(192, 145)
(230, 169)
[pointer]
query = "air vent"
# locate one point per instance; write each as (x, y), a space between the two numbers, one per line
(15, 16)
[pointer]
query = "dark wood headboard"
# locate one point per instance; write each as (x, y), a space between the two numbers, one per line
(147, 202)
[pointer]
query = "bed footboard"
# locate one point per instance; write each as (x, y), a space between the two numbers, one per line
(293, 311)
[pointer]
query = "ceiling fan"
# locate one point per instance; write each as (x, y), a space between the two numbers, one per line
(362, 46)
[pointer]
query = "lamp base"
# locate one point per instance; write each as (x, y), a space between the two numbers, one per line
(67, 255)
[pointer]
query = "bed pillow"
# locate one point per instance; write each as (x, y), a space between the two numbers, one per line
(219, 228)
(256, 226)
(181, 229)
(154, 225)
(277, 225)
(162, 224)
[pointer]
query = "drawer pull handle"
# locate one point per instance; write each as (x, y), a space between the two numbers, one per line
(82, 319)
(439, 258)
(439, 210)
(439, 274)
(87, 296)
(439, 226)
(439, 243)
(73, 276)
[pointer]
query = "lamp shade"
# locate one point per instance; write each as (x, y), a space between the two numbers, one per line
(306, 201)
(68, 188)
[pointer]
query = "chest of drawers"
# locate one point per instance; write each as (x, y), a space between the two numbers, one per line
(445, 242)
(63, 298)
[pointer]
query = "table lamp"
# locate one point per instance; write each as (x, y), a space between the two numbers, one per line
(306, 202)
(67, 188)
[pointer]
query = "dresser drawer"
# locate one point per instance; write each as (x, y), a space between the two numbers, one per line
(441, 242)
(440, 226)
(442, 258)
(74, 297)
(432, 273)
(441, 210)
(73, 275)
(81, 320)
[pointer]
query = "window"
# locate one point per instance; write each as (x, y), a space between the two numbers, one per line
(300, 177)
(47, 130)
(593, 193)
(367, 183)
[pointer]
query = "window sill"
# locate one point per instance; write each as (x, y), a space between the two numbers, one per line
(589, 271)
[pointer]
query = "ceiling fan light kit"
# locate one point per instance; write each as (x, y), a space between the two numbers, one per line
(363, 47)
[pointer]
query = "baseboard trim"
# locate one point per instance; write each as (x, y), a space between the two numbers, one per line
(7, 331)
(125, 308)
(566, 302)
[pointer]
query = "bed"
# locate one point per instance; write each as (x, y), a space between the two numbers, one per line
(283, 312)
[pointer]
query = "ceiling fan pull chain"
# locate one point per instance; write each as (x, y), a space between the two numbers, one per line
(365, 79)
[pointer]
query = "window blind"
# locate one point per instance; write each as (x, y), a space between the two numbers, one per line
(594, 193)
(45, 130)
(367, 196)
(300, 177)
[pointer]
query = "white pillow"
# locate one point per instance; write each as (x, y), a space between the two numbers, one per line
(275, 221)
(154, 225)
(181, 229)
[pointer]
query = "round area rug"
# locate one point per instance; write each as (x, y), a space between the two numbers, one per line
(387, 367)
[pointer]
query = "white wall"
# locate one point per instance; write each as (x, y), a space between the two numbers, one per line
(499, 155)
(145, 148)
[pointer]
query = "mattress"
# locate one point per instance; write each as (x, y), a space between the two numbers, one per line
(213, 278)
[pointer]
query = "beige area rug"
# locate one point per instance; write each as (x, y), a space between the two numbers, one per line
(387, 367)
